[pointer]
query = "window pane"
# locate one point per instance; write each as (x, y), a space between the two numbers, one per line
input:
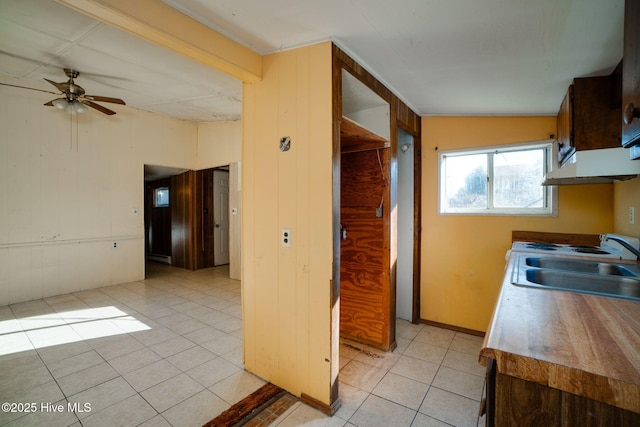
(465, 181)
(517, 178)
(162, 197)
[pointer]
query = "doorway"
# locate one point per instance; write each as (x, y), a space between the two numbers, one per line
(404, 269)
(213, 230)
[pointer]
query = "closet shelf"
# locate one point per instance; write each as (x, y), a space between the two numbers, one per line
(354, 137)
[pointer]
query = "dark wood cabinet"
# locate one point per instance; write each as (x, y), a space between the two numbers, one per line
(565, 126)
(589, 115)
(631, 75)
(513, 401)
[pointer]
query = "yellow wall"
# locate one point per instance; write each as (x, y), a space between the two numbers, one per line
(625, 195)
(463, 256)
(286, 291)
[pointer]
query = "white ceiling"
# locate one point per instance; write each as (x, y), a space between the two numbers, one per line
(442, 57)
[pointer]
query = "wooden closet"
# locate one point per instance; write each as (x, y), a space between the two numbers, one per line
(368, 212)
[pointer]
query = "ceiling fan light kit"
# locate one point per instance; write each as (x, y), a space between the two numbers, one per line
(71, 107)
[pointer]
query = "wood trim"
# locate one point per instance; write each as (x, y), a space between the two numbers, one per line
(417, 224)
(453, 328)
(336, 78)
(562, 238)
(165, 26)
(323, 407)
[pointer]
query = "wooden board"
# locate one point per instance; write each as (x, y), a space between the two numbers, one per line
(364, 276)
(354, 137)
(560, 238)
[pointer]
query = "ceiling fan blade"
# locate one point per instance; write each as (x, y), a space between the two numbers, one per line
(30, 88)
(98, 107)
(104, 99)
(62, 87)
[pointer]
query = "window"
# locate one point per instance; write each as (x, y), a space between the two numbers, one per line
(502, 180)
(161, 197)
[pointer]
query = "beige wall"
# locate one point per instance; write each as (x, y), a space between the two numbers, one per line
(69, 189)
(219, 144)
(463, 256)
(286, 291)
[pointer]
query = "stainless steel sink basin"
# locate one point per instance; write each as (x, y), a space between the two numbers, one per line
(583, 276)
(624, 287)
(592, 267)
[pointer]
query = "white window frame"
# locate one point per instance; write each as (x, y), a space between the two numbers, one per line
(551, 193)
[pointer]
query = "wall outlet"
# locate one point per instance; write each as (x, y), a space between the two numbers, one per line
(115, 244)
(286, 237)
(632, 215)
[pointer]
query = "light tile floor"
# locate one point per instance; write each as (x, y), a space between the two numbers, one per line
(167, 351)
(431, 379)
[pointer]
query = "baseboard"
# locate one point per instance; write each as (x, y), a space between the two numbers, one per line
(453, 328)
(159, 258)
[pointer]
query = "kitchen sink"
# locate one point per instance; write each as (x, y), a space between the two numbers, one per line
(583, 276)
(593, 267)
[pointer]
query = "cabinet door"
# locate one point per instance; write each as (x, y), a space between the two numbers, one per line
(565, 126)
(524, 403)
(631, 75)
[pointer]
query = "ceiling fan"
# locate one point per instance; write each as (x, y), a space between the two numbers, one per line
(75, 99)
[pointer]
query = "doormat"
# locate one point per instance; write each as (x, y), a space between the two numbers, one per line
(244, 411)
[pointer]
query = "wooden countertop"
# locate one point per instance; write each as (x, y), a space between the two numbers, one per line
(583, 344)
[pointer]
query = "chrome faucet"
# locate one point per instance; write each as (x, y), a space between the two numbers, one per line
(623, 242)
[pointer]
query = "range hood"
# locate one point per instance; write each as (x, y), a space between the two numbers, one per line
(602, 166)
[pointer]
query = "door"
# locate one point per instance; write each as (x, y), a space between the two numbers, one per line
(221, 217)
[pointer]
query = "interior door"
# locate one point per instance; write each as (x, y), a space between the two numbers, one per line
(221, 217)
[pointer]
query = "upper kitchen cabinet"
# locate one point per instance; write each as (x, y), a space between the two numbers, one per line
(589, 115)
(631, 75)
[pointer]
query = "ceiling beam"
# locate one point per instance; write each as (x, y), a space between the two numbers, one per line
(159, 23)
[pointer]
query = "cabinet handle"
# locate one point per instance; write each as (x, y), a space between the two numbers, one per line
(630, 112)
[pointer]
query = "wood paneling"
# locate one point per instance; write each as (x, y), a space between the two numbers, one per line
(364, 267)
(288, 303)
(183, 221)
(204, 215)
